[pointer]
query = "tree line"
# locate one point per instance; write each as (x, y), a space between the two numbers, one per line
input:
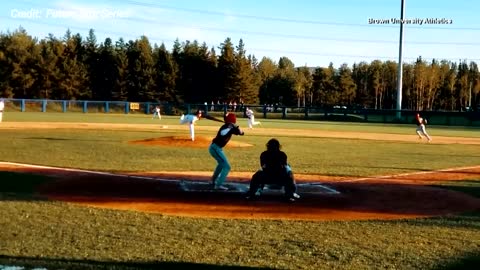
(77, 68)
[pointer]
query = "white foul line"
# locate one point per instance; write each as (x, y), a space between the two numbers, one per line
(409, 174)
(87, 171)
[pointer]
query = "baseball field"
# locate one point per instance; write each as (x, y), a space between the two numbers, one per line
(116, 191)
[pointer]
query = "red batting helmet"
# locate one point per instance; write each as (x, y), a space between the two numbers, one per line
(230, 118)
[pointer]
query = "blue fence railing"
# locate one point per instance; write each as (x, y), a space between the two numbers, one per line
(469, 118)
(84, 106)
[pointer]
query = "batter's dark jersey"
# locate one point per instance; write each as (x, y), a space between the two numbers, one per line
(225, 133)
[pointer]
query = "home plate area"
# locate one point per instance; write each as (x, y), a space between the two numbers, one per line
(237, 187)
(199, 186)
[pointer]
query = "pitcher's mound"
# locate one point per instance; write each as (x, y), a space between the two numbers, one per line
(185, 141)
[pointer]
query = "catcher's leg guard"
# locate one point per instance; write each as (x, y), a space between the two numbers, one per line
(256, 183)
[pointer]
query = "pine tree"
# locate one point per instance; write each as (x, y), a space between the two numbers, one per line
(433, 84)
(140, 76)
(120, 86)
(474, 85)
(462, 86)
(18, 76)
(207, 73)
(266, 70)
(227, 71)
(375, 83)
(73, 76)
(303, 85)
(324, 87)
(246, 88)
(420, 83)
(360, 77)
(345, 85)
(106, 68)
(166, 74)
(47, 68)
(389, 74)
(285, 80)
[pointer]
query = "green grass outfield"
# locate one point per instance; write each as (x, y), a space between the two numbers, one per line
(37, 232)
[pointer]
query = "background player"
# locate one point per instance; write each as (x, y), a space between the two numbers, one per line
(190, 119)
(2, 107)
(156, 113)
(224, 135)
(251, 118)
(421, 122)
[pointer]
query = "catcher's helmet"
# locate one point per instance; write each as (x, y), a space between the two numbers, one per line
(230, 118)
(273, 144)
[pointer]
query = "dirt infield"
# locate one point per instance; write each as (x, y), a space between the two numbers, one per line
(186, 141)
(396, 197)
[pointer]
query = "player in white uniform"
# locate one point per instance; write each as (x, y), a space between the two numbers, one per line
(156, 113)
(190, 119)
(421, 122)
(2, 106)
(251, 118)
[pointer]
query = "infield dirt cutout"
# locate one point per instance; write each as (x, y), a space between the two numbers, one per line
(389, 197)
(186, 141)
(395, 197)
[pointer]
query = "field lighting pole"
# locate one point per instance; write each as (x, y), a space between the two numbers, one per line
(400, 64)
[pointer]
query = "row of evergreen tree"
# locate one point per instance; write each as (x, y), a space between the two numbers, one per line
(83, 69)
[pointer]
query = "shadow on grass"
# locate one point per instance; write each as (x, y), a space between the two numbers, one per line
(471, 187)
(21, 186)
(49, 264)
(470, 261)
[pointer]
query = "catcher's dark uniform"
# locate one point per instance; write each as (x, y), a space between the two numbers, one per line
(275, 170)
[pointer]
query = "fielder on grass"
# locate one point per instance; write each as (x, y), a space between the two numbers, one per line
(215, 149)
(2, 107)
(156, 113)
(251, 118)
(421, 122)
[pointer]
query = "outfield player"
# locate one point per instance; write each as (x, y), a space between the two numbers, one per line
(251, 118)
(156, 113)
(224, 135)
(421, 122)
(2, 107)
